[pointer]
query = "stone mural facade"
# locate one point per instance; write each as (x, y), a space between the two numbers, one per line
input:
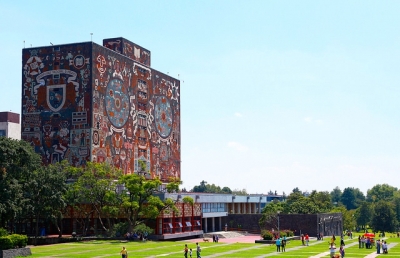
(85, 102)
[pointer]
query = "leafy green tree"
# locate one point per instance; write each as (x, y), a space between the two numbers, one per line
(396, 203)
(352, 198)
(203, 187)
(379, 192)
(45, 192)
(140, 202)
(363, 214)
(383, 217)
(200, 188)
(322, 200)
(18, 160)
(239, 191)
(226, 189)
(303, 206)
(94, 192)
(296, 190)
(336, 195)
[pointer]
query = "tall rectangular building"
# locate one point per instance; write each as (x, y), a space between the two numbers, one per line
(86, 102)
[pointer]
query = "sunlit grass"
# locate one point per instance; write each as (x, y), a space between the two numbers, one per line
(175, 249)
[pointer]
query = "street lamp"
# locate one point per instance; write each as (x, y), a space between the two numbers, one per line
(279, 232)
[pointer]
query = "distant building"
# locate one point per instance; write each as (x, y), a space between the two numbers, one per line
(86, 102)
(9, 125)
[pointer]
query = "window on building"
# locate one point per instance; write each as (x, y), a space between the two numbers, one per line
(3, 133)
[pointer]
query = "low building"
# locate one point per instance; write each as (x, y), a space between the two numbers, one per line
(9, 125)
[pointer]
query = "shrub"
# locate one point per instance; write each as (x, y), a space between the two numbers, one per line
(289, 233)
(18, 240)
(3, 232)
(6, 243)
(283, 234)
(267, 235)
(120, 229)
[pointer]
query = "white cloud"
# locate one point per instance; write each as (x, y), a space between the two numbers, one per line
(237, 114)
(237, 146)
(308, 119)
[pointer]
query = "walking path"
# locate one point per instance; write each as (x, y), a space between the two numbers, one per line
(292, 249)
(327, 253)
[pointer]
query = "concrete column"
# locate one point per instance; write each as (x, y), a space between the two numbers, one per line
(220, 223)
(205, 225)
(213, 224)
(250, 204)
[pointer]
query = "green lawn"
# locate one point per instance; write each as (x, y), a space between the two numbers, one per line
(175, 249)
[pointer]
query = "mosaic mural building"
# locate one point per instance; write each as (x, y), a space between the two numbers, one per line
(86, 102)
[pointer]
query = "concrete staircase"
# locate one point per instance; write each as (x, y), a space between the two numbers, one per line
(227, 234)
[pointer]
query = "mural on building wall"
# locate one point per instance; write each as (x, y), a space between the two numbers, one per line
(136, 113)
(56, 93)
(84, 102)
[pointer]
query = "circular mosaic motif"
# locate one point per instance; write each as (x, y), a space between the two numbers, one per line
(163, 116)
(117, 103)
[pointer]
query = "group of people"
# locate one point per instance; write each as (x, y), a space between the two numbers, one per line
(188, 251)
(332, 250)
(135, 236)
(381, 245)
(215, 238)
(281, 244)
(305, 239)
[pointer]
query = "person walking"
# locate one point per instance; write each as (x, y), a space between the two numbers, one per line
(283, 244)
(341, 251)
(190, 252)
(332, 249)
(302, 239)
(124, 252)
(359, 241)
(307, 239)
(198, 250)
(185, 251)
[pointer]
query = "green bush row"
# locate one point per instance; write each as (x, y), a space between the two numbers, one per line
(269, 235)
(13, 241)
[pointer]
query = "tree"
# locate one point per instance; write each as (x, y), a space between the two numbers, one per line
(239, 191)
(352, 198)
(226, 189)
(140, 202)
(379, 192)
(45, 192)
(200, 188)
(95, 192)
(210, 188)
(17, 161)
(296, 190)
(322, 200)
(383, 217)
(336, 194)
(363, 214)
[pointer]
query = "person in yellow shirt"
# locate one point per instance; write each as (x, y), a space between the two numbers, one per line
(124, 252)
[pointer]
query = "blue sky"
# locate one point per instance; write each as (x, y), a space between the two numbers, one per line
(274, 94)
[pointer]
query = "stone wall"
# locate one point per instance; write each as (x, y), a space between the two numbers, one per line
(15, 252)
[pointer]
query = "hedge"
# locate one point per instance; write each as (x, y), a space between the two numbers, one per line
(13, 241)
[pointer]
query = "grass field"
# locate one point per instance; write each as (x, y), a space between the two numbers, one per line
(175, 249)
